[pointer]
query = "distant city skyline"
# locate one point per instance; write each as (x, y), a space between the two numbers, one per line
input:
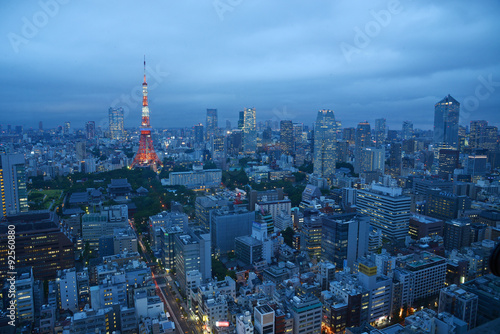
(375, 59)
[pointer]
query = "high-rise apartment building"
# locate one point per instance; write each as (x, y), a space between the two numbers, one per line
(116, 127)
(14, 194)
(325, 139)
(212, 123)
(388, 209)
(249, 131)
(380, 130)
(286, 137)
(446, 117)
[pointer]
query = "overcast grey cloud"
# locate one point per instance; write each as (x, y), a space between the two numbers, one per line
(67, 60)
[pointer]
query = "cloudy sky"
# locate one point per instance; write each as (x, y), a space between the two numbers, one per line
(68, 60)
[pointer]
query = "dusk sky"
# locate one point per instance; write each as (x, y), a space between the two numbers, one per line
(71, 60)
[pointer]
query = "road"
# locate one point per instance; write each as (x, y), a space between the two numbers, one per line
(168, 297)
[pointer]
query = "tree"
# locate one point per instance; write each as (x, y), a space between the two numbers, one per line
(345, 165)
(306, 168)
(288, 236)
(218, 269)
(209, 165)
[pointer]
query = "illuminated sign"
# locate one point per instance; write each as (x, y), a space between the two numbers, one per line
(222, 323)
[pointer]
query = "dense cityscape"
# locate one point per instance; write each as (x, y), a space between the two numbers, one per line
(241, 167)
(267, 227)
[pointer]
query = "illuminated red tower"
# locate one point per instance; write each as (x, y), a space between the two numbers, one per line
(146, 155)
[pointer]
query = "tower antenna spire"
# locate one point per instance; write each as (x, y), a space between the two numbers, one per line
(144, 68)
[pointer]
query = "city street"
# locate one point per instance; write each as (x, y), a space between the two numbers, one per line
(168, 297)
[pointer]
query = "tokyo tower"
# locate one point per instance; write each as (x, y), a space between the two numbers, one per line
(146, 155)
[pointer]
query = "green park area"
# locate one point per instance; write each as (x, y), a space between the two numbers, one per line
(39, 199)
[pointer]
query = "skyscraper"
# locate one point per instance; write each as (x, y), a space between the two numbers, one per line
(198, 133)
(14, 195)
(146, 155)
(407, 130)
(325, 144)
(241, 119)
(380, 129)
(212, 123)
(286, 137)
(116, 123)
(372, 159)
(363, 139)
(395, 159)
(446, 116)
(90, 130)
(66, 128)
(249, 131)
(476, 135)
(490, 140)
(448, 161)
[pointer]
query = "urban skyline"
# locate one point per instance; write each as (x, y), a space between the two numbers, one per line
(372, 48)
(309, 168)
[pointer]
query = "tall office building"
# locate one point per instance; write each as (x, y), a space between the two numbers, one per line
(241, 119)
(66, 128)
(380, 129)
(407, 130)
(446, 117)
(192, 253)
(225, 226)
(395, 159)
(448, 162)
(325, 140)
(116, 128)
(363, 139)
(286, 137)
(212, 123)
(476, 134)
(372, 159)
(198, 133)
(344, 239)
(490, 141)
(349, 135)
(249, 131)
(388, 209)
(14, 194)
(90, 130)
